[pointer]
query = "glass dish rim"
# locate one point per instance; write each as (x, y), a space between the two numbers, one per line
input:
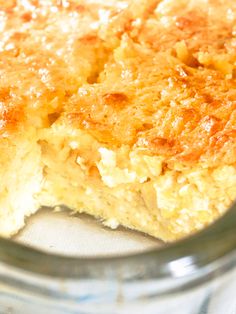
(200, 250)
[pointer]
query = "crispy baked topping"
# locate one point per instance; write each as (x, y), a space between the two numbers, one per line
(157, 75)
(170, 109)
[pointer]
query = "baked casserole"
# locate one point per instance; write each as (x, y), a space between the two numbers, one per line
(125, 110)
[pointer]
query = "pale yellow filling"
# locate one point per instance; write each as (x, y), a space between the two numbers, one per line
(130, 188)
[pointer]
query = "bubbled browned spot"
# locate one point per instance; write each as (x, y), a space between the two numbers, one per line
(26, 17)
(90, 38)
(117, 100)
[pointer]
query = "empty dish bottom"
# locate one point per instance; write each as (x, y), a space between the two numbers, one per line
(80, 235)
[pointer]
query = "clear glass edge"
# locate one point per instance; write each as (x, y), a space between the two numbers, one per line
(213, 243)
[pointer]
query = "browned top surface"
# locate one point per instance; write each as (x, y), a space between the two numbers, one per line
(157, 103)
(48, 49)
(168, 84)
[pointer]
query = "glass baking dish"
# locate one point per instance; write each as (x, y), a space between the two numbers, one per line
(194, 275)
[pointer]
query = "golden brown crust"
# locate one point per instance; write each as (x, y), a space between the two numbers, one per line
(167, 108)
(161, 24)
(47, 50)
(11, 112)
(168, 83)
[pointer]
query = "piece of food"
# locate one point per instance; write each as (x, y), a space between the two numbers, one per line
(125, 110)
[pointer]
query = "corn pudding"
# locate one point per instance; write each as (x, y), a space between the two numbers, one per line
(125, 110)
